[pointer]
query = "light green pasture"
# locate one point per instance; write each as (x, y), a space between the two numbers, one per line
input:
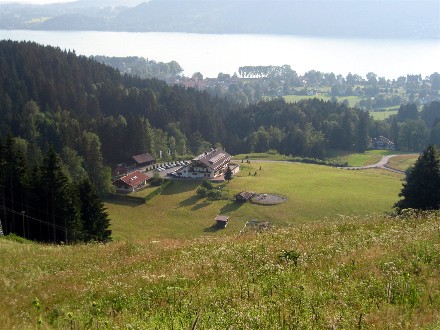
(313, 192)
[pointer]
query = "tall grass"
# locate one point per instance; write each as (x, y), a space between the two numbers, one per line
(348, 272)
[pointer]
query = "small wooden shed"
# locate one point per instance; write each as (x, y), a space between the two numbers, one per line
(244, 196)
(221, 221)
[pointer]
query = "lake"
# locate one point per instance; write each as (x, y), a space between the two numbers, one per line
(211, 54)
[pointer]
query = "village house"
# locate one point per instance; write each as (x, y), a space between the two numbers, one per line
(131, 182)
(209, 165)
(383, 143)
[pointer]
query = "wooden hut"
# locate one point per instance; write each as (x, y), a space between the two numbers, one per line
(244, 196)
(221, 221)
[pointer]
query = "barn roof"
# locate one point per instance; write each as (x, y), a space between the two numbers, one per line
(223, 218)
(144, 158)
(134, 178)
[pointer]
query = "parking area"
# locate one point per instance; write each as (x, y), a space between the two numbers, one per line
(167, 170)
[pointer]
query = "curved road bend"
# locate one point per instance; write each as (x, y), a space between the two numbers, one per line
(380, 164)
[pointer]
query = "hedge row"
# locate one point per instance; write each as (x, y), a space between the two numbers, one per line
(142, 200)
(159, 190)
(318, 161)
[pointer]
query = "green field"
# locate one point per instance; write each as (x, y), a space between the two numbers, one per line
(402, 162)
(352, 100)
(313, 192)
(331, 258)
(369, 272)
(382, 115)
(366, 158)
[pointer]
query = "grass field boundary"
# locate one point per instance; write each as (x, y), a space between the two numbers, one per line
(158, 191)
(141, 200)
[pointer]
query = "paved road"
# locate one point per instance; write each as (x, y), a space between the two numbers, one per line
(380, 164)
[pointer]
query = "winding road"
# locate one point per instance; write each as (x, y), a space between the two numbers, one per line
(380, 164)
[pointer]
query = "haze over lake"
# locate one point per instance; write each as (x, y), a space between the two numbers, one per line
(212, 53)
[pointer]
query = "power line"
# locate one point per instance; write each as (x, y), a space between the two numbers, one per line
(29, 217)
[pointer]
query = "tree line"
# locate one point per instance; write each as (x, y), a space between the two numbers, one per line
(46, 202)
(95, 117)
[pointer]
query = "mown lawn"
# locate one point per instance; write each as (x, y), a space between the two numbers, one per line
(313, 192)
(382, 115)
(352, 100)
(402, 162)
(366, 158)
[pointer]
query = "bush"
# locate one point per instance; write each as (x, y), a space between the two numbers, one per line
(207, 184)
(201, 191)
(157, 181)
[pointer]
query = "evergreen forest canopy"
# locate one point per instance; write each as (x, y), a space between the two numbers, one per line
(95, 117)
(65, 119)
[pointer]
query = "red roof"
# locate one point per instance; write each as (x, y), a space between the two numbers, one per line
(134, 178)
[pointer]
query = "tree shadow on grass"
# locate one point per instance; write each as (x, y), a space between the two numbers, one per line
(230, 207)
(121, 202)
(189, 201)
(212, 229)
(181, 186)
(201, 205)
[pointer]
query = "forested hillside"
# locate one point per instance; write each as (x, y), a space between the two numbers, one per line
(50, 96)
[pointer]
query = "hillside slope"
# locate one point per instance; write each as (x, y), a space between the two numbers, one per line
(371, 272)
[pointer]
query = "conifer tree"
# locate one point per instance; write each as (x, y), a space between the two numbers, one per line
(94, 218)
(422, 187)
(59, 200)
(228, 174)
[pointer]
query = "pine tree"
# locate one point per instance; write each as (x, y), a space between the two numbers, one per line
(422, 187)
(228, 174)
(59, 200)
(94, 218)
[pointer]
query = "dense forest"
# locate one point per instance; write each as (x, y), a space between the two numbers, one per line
(89, 110)
(66, 119)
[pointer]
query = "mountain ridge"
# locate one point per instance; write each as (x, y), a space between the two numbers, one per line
(363, 19)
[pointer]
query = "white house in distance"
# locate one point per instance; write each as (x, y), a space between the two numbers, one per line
(209, 165)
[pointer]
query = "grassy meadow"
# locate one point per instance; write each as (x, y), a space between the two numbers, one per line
(332, 258)
(366, 158)
(403, 162)
(368, 272)
(313, 192)
(352, 100)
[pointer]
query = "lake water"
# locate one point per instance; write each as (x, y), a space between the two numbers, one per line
(211, 54)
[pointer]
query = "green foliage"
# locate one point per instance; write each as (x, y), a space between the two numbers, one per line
(202, 191)
(159, 190)
(207, 184)
(94, 218)
(422, 187)
(44, 203)
(228, 174)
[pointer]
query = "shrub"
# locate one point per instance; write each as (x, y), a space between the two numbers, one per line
(207, 184)
(201, 191)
